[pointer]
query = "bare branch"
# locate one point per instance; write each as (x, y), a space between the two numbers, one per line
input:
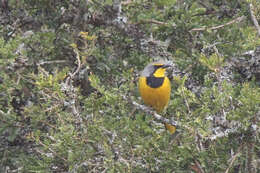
(250, 151)
(185, 100)
(254, 19)
(72, 102)
(46, 147)
(152, 21)
(234, 158)
(199, 166)
(153, 113)
(239, 19)
(126, 2)
(52, 62)
(79, 65)
(71, 76)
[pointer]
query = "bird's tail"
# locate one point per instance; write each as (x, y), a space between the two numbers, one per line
(170, 128)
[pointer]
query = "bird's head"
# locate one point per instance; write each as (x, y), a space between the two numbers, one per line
(156, 69)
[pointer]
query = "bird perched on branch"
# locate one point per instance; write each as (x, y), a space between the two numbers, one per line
(155, 88)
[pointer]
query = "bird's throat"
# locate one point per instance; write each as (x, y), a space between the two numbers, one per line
(154, 82)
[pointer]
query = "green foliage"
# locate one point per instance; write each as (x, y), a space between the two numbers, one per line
(69, 74)
(214, 62)
(7, 49)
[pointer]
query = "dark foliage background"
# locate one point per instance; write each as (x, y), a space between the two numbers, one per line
(68, 85)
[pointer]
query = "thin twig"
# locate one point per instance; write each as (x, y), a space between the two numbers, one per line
(234, 158)
(250, 151)
(71, 76)
(239, 19)
(226, 132)
(254, 19)
(126, 2)
(210, 46)
(185, 100)
(153, 22)
(153, 113)
(68, 81)
(52, 62)
(79, 65)
(48, 148)
(10, 125)
(200, 170)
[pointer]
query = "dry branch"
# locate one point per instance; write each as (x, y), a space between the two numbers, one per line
(153, 113)
(52, 62)
(239, 19)
(234, 158)
(254, 19)
(152, 21)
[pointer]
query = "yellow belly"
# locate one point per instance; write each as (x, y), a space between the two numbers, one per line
(157, 98)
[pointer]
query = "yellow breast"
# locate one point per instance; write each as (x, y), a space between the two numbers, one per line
(157, 98)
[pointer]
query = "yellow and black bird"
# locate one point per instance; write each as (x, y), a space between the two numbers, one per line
(155, 88)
